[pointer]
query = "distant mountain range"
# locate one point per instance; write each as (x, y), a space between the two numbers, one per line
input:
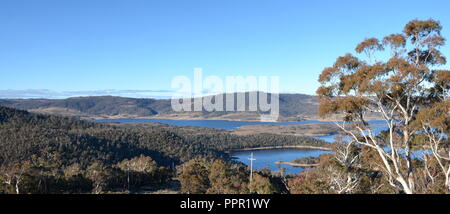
(293, 107)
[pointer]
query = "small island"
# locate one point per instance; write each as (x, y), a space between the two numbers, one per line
(307, 162)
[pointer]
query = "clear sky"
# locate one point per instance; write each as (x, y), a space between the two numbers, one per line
(98, 45)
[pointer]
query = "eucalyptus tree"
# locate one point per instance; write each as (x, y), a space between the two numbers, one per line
(400, 78)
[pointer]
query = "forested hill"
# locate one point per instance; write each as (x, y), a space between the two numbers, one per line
(292, 107)
(67, 140)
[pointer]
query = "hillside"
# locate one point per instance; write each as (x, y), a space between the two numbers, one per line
(24, 134)
(55, 154)
(292, 107)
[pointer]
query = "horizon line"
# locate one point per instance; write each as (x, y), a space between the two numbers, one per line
(128, 93)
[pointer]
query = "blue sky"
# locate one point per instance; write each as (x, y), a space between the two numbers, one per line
(112, 45)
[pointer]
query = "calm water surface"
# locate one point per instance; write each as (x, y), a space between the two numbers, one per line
(267, 158)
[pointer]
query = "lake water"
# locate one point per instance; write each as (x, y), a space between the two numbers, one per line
(264, 158)
(267, 158)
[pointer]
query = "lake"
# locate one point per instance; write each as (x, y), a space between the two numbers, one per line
(267, 158)
(264, 158)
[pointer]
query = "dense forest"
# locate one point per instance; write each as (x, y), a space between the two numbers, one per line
(53, 144)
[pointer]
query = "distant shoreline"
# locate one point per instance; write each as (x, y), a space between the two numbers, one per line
(297, 164)
(199, 118)
(283, 147)
(188, 118)
(174, 118)
(183, 117)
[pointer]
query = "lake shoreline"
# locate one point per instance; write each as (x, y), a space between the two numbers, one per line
(282, 147)
(267, 159)
(313, 129)
(183, 117)
(290, 163)
(187, 117)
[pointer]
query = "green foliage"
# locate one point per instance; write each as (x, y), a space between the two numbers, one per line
(194, 176)
(262, 185)
(213, 177)
(226, 178)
